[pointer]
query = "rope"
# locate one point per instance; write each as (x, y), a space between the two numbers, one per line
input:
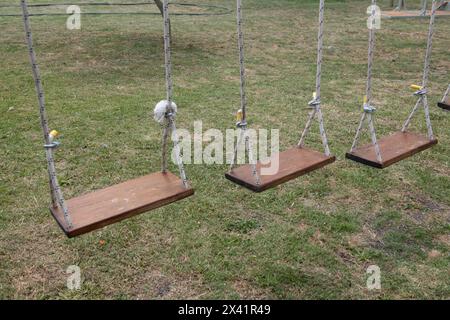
(319, 77)
(422, 93)
(307, 128)
(320, 49)
(251, 159)
(369, 82)
(408, 120)
(178, 157)
(56, 193)
(401, 5)
(426, 70)
(358, 131)
(444, 98)
(242, 124)
(241, 62)
(168, 71)
(368, 110)
(427, 118)
(170, 126)
(235, 151)
(370, 55)
(374, 137)
(316, 101)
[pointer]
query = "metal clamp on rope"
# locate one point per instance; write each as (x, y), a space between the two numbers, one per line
(368, 108)
(52, 142)
(315, 101)
(53, 145)
(420, 91)
(241, 124)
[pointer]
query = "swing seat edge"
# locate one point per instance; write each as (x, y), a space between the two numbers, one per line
(393, 148)
(445, 106)
(106, 206)
(293, 163)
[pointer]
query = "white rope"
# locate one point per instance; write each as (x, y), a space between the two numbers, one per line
(369, 83)
(56, 193)
(242, 124)
(370, 55)
(251, 159)
(426, 71)
(444, 98)
(316, 103)
(308, 125)
(170, 127)
(368, 110)
(241, 62)
(401, 5)
(427, 118)
(374, 137)
(236, 148)
(422, 93)
(408, 121)
(323, 133)
(178, 157)
(168, 67)
(423, 11)
(358, 132)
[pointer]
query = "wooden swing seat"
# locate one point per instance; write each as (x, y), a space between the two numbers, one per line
(445, 105)
(292, 164)
(393, 148)
(106, 206)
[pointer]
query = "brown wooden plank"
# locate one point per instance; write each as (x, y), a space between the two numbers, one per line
(446, 104)
(394, 148)
(292, 164)
(412, 14)
(106, 206)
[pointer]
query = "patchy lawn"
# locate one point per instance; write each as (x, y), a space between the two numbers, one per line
(311, 238)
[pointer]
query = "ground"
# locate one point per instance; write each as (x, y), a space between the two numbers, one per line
(311, 238)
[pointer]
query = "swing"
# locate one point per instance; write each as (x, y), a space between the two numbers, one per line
(293, 162)
(443, 10)
(445, 102)
(103, 207)
(402, 144)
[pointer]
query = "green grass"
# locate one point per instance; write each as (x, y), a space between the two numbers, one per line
(311, 238)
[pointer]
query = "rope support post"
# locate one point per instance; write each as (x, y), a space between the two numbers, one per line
(56, 193)
(315, 104)
(170, 126)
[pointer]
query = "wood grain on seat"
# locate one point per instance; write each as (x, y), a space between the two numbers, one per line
(106, 206)
(394, 148)
(292, 164)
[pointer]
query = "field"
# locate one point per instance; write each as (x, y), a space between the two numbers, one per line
(311, 238)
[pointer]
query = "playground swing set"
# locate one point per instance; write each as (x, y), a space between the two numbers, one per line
(103, 207)
(400, 10)
(97, 209)
(293, 162)
(402, 144)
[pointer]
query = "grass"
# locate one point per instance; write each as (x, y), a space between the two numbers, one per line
(311, 238)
